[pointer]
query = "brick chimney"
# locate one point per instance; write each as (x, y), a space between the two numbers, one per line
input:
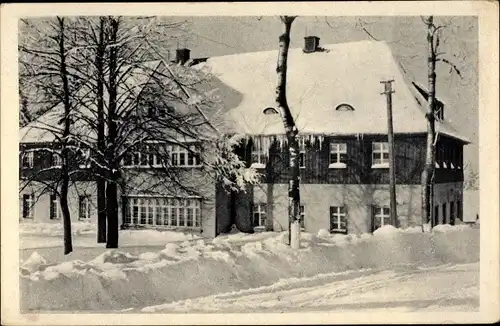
(311, 44)
(182, 55)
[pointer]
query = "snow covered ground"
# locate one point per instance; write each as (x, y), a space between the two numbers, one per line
(450, 288)
(162, 272)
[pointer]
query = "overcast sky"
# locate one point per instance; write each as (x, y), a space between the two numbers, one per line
(216, 36)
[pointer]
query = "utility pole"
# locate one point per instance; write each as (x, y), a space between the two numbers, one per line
(392, 173)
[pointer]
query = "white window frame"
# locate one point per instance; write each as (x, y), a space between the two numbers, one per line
(137, 159)
(337, 149)
(302, 153)
(259, 153)
(170, 211)
(379, 213)
(86, 157)
(30, 156)
(57, 206)
(337, 213)
(380, 148)
(261, 210)
(56, 160)
(177, 151)
(87, 203)
(30, 203)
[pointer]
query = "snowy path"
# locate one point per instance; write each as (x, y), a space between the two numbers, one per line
(443, 288)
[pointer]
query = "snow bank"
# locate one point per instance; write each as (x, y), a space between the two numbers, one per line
(42, 235)
(117, 279)
(56, 228)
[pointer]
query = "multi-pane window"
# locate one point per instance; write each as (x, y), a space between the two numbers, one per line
(302, 213)
(302, 153)
(56, 160)
(146, 158)
(84, 207)
(259, 215)
(171, 212)
(183, 157)
(28, 203)
(380, 154)
(338, 155)
(28, 159)
(259, 153)
(338, 219)
(85, 158)
(55, 209)
(381, 216)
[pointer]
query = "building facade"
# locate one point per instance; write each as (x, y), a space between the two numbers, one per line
(334, 93)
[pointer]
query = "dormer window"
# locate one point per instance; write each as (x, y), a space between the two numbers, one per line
(344, 107)
(269, 111)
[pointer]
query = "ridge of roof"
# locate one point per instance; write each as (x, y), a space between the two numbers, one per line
(318, 83)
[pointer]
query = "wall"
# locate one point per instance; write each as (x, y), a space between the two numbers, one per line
(410, 153)
(42, 204)
(195, 182)
(358, 200)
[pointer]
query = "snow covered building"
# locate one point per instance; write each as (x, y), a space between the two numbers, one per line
(334, 93)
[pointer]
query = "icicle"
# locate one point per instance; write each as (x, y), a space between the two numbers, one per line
(320, 139)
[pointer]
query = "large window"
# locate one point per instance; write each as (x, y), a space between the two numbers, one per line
(259, 154)
(56, 160)
(55, 209)
(259, 215)
(380, 155)
(183, 157)
(381, 216)
(169, 212)
(146, 158)
(84, 207)
(28, 158)
(338, 155)
(28, 205)
(338, 219)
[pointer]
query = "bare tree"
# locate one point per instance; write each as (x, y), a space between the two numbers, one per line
(45, 59)
(290, 130)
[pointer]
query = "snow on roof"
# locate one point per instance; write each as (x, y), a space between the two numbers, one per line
(347, 73)
(46, 127)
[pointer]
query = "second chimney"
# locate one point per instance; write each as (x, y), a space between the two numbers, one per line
(311, 44)
(182, 55)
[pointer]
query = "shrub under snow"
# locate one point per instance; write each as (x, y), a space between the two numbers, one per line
(116, 279)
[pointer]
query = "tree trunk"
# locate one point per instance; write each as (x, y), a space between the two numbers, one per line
(101, 146)
(112, 214)
(428, 172)
(290, 130)
(63, 200)
(112, 187)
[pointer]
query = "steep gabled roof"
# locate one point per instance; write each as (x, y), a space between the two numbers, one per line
(348, 73)
(47, 126)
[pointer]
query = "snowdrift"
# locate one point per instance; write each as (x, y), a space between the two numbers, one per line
(118, 280)
(43, 235)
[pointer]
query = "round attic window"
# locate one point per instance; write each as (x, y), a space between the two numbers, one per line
(344, 107)
(270, 110)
